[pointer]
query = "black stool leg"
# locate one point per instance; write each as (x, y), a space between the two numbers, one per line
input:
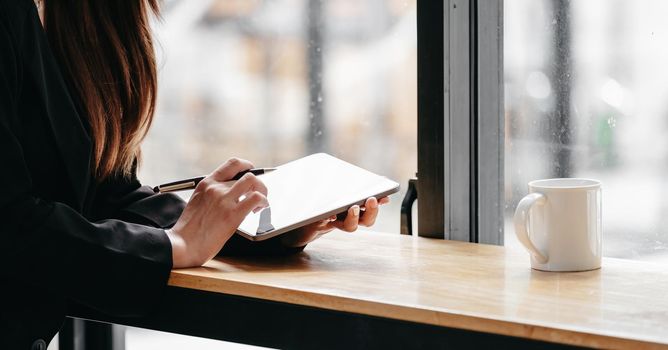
(78, 334)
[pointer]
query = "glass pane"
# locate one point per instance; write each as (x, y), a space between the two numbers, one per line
(272, 81)
(585, 87)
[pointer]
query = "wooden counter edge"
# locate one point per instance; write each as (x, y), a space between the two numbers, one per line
(449, 319)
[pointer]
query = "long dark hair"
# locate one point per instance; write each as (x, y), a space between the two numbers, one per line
(105, 49)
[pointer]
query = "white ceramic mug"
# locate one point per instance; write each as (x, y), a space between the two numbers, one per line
(559, 223)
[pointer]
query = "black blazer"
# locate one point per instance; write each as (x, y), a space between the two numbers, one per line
(65, 237)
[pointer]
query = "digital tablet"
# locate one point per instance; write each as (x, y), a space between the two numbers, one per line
(311, 189)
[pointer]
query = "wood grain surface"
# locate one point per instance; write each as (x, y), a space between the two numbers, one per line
(453, 284)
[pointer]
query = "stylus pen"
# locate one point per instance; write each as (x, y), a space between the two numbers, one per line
(189, 184)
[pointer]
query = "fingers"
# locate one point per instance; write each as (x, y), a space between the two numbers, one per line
(366, 216)
(247, 183)
(253, 190)
(231, 167)
(370, 212)
(349, 224)
(254, 201)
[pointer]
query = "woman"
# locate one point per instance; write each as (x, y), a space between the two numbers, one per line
(77, 95)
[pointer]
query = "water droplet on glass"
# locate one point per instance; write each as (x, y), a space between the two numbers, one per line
(612, 122)
(538, 85)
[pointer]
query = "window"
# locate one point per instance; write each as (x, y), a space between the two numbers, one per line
(585, 96)
(460, 120)
(271, 81)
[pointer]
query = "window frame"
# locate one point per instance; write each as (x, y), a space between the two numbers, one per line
(460, 120)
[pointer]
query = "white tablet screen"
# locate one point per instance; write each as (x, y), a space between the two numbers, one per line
(311, 189)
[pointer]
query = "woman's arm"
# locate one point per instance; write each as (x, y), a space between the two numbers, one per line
(295, 241)
(112, 266)
(240, 246)
(124, 198)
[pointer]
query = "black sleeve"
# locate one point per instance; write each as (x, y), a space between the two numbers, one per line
(111, 265)
(124, 198)
(127, 200)
(240, 246)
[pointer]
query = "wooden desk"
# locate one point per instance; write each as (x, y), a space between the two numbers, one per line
(433, 288)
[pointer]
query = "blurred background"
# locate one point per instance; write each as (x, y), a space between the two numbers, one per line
(586, 95)
(270, 81)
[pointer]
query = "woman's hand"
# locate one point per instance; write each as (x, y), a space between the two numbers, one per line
(356, 216)
(214, 212)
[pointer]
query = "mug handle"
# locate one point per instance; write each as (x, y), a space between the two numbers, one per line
(521, 221)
